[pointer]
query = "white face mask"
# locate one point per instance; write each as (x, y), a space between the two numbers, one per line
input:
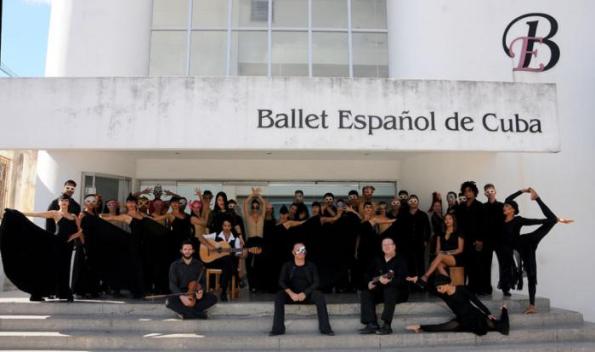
(451, 197)
(489, 192)
(462, 199)
(91, 201)
(412, 201)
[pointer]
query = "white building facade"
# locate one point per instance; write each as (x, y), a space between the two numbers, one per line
(317, 94)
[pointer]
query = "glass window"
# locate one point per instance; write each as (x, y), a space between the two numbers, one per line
(370, 55)
(290, 54)
(290, 13)
(168, 53)
(249, 53)
(329, 13)
(209, 13)
(330, 54)
(368, 14)
(250, 13)
(169, 14)
(208, 53)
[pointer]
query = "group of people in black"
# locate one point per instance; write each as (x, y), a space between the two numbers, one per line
(354, 244)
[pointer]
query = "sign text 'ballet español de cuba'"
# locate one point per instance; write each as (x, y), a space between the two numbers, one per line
(405, 121)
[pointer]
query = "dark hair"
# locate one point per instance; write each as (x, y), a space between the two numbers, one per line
(254, 200)
(185, 242)
(225, 201)
(131, 198)
(315, 204)
(283, 210)
(207, 193)
(367, 203)
(232, 201)
(106, 210)
(70, 182)
(514, 205)
(381, 203)
(299, 191)
(175, 199)
(489, 185)
(451, 192)
(90, 195)
(328, 194)
(403, 192)
(413, 196)
(454, 221)
(64, 197)
(353, 193)
(471, 185)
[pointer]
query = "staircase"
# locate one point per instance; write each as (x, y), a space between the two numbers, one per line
(138, 326)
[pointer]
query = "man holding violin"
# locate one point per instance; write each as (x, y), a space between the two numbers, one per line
(188, 299)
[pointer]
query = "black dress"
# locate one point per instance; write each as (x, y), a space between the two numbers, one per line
(451, 244)
(64, 229)
(29, 254)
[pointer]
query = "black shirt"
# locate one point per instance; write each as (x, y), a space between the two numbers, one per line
(450, 244)
(180, 274)
(299, 278)
(420, 227)
(469, 219)
(381, 267)
(493, 220)
(470, 312)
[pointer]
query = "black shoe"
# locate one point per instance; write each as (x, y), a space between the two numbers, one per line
(385, 329)
(223, 298)
(504, 324)
(369, 329)
(276, 333)
(35, 298)
(421, 284)
(506, 293)
(328, 333)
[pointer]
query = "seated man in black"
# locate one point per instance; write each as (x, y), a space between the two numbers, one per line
(470, 314)
(386, 282)
(181, 273)
(299, 281)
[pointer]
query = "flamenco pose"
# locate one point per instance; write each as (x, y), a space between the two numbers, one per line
(35, 260)
(470, 314)
(526, 244)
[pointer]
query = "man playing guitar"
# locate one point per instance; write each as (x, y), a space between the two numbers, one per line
(228, 263)
(386, 277)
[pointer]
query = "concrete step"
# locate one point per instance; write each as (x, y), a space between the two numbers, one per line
(168, 324)
(231, 340)
(23, 307)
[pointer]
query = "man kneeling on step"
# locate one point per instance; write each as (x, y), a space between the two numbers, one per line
(184, 273)
(299, 281)
(386, 283)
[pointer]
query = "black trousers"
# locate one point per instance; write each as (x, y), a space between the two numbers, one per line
(254, 265)
(380, 294)
(527, 246)
(456, 326)
(485, 269)
(506, 266)
(472, 260)
(208, 300)
(228, 268)
(316, 297)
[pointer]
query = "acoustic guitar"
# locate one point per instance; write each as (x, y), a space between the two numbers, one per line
(221, 250)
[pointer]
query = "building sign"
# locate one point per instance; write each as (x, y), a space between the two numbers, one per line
(257, 113)
(528, 40)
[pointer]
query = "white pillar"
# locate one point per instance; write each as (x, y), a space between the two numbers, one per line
(99, 38)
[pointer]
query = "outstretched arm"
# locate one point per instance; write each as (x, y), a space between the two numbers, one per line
(50, 214)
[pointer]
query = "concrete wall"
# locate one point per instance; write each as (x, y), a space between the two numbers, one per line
(462, 40)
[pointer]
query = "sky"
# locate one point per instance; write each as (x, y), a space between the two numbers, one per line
(24, 36)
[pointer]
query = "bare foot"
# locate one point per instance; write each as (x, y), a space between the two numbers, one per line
(565, 221)
(531, 309)
(534, 194)
(416, 328)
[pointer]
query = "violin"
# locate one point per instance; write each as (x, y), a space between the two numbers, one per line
(193, 288)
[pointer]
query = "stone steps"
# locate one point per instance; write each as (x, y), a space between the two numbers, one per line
(148, 326)
(298, 323)
(233, 340)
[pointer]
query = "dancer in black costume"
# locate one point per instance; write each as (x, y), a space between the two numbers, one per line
(527, 244)
(470, 314)
(36, 261)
